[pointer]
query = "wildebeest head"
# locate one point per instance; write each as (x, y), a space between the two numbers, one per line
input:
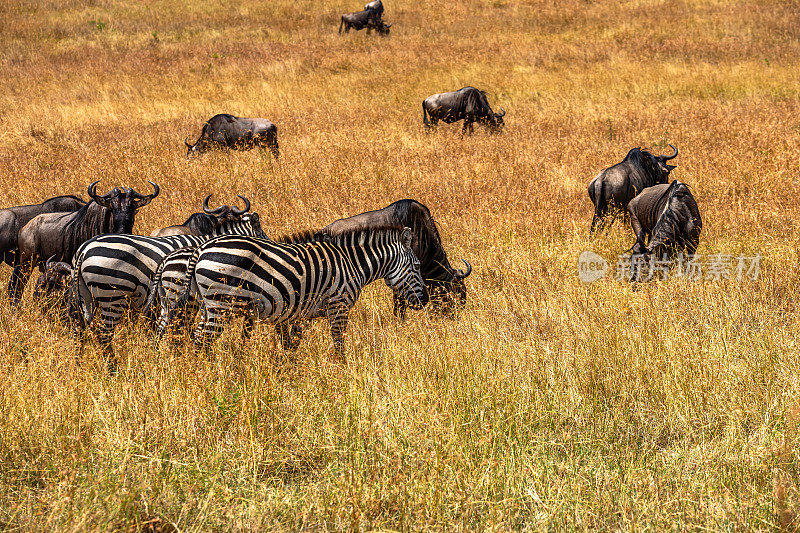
(123, 204)
(226, 213)
(193, 148)
(383, 28)
(662, 161)
(496, 123)
(52, 285)
(448, 298)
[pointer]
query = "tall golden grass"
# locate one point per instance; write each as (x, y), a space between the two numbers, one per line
(550, 404)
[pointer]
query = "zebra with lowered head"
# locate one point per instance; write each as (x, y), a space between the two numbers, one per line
(112, 273)
(305, 276)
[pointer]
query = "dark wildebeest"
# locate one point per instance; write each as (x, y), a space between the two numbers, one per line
(226, 131)
(666, 221)
(369, 19)
(376, 6)
(13, 219)
(445, 284)
(614, 187)
(59, 235)
(51, 288)
(206, 222)
(468, 104)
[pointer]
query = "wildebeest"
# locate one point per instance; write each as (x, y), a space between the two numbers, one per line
(52, 285)
(369, 19)
(614, 187)
(206, 222)
(666, 221)
(445, 284)
(59, 235)
(13, 219)
(468, 104)
(227, 131)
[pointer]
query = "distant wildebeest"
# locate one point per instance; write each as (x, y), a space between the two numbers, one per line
(59, 235)
(614, 187)
(301, 277)
(468, 104)
(445, 284)
(369, 19)
(376, 6)
(13, 219)
(227, 131)
(666, 221)
(204, 223)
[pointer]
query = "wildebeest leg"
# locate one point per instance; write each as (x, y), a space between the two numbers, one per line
(19, 278)
(598, 223)
(400, 306)
(272, 144)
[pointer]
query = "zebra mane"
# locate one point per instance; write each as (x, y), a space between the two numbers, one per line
(323, 236)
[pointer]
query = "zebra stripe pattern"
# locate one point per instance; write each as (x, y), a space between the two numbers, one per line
(112, 273)
(312, 276)
(166, 288)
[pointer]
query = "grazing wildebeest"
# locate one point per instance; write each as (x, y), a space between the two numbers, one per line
(666, 221)
(614, 187)
(376, 6)
(468, 104)
(52, 286)
(305, 276)
(59, 235)
(204, 223)
(369, 19)
(227, 131)
(13, 219)
(445, 284)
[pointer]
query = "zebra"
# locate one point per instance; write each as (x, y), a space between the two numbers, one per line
(304, 276)
(166, 288)
(112, 273)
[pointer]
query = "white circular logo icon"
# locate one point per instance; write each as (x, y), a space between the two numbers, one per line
(591, 267)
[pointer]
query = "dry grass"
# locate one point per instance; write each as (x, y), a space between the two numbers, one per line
(550, 404)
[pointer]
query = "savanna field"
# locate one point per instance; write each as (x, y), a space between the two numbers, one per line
(549, 403)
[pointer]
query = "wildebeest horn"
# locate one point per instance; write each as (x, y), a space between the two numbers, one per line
(503, 112)
(218, 211)
(240, 212)
(100, 200)
(186, 142)
(673, 156)
(460, 274)
(58, 266)
(144, 200)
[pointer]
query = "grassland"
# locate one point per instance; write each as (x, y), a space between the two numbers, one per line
(550, 404)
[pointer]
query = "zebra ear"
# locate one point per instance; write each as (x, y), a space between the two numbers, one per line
(406, 238)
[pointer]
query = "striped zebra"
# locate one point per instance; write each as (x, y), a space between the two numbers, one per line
(112, 273)
(300, 277)
(165, 289)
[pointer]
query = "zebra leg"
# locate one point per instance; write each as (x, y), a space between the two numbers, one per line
(209, 327)
(289, 336)
(337, 317)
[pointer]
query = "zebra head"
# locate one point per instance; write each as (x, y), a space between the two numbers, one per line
(403, 275)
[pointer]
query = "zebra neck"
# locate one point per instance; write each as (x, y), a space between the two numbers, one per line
(370, 260)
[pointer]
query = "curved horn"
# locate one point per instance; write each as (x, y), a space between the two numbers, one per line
(99, 200)
(240, 212)
(186, 142)
(673, 156)
(502, 115)
(144, 200)
(460, 274)
(218, 211)
(206, 209)
(50, 261)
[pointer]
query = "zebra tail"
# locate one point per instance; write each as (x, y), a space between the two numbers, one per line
(152, 297)
(75, 303)
(186, 291)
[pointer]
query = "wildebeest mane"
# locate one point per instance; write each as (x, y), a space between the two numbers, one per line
(202, 222)
(91, 219)
(664, 229)
(644, 160)
(64, 196)
(306, 236)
